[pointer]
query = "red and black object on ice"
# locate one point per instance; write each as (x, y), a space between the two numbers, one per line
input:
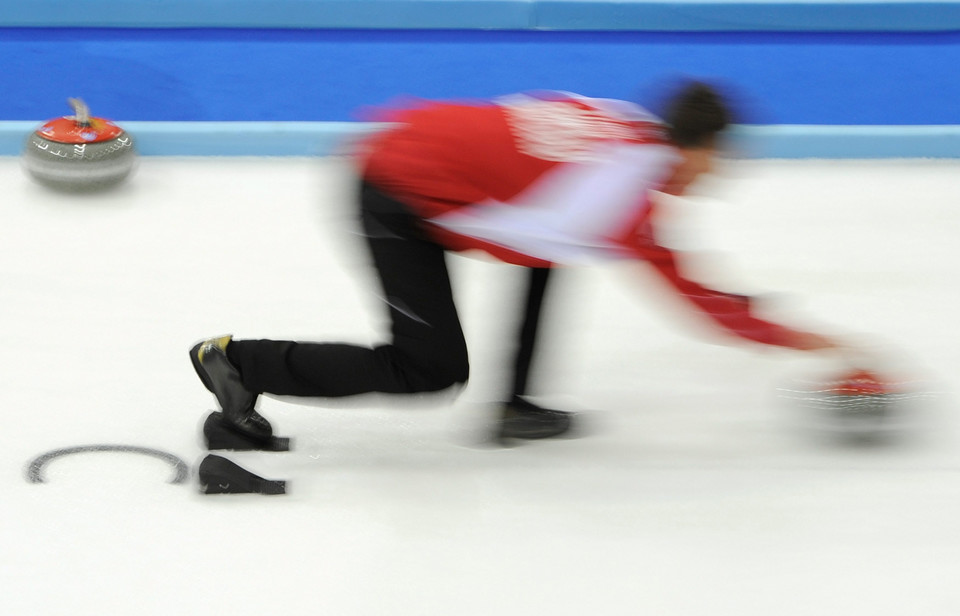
(79, 152)
(860, 402)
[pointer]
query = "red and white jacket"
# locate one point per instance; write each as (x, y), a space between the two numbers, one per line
(540, 179)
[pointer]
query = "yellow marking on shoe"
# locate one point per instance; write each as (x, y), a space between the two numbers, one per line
(220, 343)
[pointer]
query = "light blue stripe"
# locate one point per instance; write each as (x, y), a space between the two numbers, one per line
(328, 138)
(379, 14)
(746, 16)
(635, 15)
(862, 142)
(244, 138)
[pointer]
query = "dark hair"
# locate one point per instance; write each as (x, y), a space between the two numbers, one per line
(695, 115)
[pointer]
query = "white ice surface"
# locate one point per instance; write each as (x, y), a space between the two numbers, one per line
(696, 491)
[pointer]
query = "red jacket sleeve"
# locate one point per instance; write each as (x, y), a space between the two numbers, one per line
(731, 312)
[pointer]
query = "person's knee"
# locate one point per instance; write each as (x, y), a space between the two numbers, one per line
(438, 377)
(415, 373)
(458, 373)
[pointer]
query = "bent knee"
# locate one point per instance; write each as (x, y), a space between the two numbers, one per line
(440, 378)
(419, 373)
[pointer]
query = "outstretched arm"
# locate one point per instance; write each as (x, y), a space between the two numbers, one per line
(731, 312)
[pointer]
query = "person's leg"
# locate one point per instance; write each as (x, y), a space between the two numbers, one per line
(537, 280)
(520, 418)
(427, 351)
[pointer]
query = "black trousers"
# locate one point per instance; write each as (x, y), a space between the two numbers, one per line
(426, 351)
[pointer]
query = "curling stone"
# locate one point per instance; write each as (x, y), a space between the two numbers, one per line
(79, 152)
(861, 405)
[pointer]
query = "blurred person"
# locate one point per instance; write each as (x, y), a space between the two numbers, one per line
(536, 180)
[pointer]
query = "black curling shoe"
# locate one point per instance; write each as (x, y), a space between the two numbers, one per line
(223, 379)
(218, 434)
(521, 419)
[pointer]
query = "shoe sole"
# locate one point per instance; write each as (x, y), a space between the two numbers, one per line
(567, 430)
(218, 475)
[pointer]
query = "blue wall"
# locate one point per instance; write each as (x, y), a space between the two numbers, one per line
(826, 64)
(326, 75)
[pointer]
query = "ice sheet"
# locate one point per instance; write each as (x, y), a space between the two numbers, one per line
(695, 489)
